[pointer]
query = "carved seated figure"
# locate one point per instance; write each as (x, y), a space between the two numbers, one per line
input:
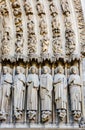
(57, 47)
(19, 46)
(45, 45)
(46, 94)
(43, 27)
(28, 8)
(40, 9)
(53, 9)
(65, 7)
(6, 43)
(75, 92)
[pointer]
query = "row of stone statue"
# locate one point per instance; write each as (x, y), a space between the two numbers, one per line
(46, 83)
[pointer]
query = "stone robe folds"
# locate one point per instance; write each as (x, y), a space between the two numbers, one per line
(60, 88)
(6, 82)
(46, 92)
(32, 89)
(75, 92)
(19, 88)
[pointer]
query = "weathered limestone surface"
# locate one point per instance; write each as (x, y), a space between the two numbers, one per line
(42, 64)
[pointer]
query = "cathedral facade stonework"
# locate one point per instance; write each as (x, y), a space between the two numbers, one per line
(42, 64)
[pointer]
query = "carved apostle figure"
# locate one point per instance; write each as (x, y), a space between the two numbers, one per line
(75, 92)
(60, 89)
(19, 89)
(33, 86)
(46, 94)
(6, 83)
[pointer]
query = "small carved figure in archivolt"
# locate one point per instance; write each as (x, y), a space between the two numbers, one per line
(32, 41)
(43, 27)
(40, 9)
(45, 45)
(53, 10)
(65, 7)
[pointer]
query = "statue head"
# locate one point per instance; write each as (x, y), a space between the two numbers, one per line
(74, 70)
(46, 69)
(20, 69)
(6, 69)
(33, 69)
(59, 69)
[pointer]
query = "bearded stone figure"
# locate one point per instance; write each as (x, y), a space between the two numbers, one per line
(75, 92)
(19, 90)
(32, 95)
(6, 83)
(60, 89)
(46, 94)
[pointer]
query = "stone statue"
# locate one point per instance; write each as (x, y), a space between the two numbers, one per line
(6, 83)
(19, 92)
(57, 46)
(33, 86)
(60, 89)
(65, 7)
(46, 94)
(75, 92)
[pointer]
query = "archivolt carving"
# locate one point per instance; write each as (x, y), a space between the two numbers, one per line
(45, 45)
(57, 47)
(53, 9)
(43, 27)
(65, 7)
(3, 8)
(32, 44)
(6, 43)
(40, 9)
(56, 27)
